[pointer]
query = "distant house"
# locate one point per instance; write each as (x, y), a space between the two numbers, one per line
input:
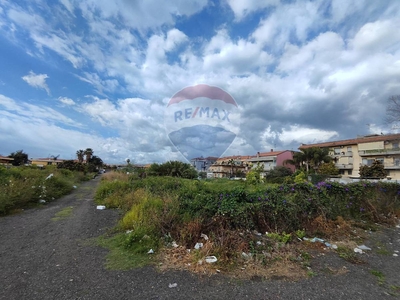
(349, 155)
(229, 166)
(4, 160)
(42, 162)
(272, 159)
(202, 164)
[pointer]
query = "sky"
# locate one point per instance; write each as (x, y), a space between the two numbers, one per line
(99, 74)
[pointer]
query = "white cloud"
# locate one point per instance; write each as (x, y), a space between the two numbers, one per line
(36, 112)
(37, 81)
(66, 101)
(242, 8)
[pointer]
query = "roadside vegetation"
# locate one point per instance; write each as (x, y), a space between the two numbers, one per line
(27, 186)
(243, 225)
(23, 185)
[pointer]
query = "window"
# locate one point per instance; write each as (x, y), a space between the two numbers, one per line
(350, 172)
(349, 149)
(395, 145)
(337, 150)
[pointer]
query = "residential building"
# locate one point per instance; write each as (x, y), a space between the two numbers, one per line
(42, 162)
(202, 164)
(349, 155)
(4, 160)
(230, 166)
(272, 159)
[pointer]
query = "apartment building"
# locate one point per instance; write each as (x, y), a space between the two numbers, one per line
(349, 155)
(201, 164)
(232, 166)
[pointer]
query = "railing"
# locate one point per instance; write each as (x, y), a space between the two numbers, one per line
(379, 151)
(344, 166)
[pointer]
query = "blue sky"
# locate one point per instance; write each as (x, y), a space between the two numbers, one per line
(99, 73)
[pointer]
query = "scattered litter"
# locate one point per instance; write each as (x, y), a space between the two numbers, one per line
(211, 259)
(315, 239)
(101, 207)
(328, 245)
(172, 285)
(42, 201)
(151, 251)
(334, 246)
(218, 270)
(358, 250)
(245, 255)
(363, 247)
(48, 177)
(174, 244)
(204, 236)
(257, 233)
(74, 186)
(259, 243)
(129, 231)
(395, 254)
(198, 246)
(397, 226)
(396, 251)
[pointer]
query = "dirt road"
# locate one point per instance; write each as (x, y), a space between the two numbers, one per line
(45, 256)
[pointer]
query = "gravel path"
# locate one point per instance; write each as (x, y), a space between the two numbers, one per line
(42, 258)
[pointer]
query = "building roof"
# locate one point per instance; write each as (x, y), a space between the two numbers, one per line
(47, 159)
(359, 140)
(6, 158)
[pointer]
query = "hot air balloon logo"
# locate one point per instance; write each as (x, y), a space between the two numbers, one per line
(202, 120)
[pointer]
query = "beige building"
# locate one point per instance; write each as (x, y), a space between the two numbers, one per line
(42, 162)
(230, 166)
(349, 155)
(7, 161)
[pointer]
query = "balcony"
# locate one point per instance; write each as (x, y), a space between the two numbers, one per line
(392, 166)
(379, 152)
(344, 166)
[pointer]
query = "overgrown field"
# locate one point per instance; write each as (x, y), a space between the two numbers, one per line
(231, 218)
(22, 187)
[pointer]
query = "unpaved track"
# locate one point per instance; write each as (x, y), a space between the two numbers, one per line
(41, 258)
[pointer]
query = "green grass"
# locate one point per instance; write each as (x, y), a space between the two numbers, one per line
(381, 249)
(123, 258)
(62, 214)
(379, 275)
(349, 255)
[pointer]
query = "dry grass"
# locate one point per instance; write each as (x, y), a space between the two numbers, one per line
(111, 176)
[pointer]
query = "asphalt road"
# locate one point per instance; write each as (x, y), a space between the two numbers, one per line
(43, 258)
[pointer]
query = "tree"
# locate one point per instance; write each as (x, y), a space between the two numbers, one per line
(376, 170)
(173, 168)
(309, 158)
(328, 169)
(80, 155)
(20, 158)
(96, 161)
(232, 163)
(88, 152)
(393, 109)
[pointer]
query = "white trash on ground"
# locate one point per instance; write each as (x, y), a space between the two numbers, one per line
(151, 251)
(363, 247)
(204, 236)
(48, 177)
(358, 250)
(198, 246)
(174, 244)
(211, 259)
(172, 285)
(100, 207)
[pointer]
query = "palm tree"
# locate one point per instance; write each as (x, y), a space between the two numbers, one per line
(231, 162)
(88, 152)
(80, 155)
(309, 157)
